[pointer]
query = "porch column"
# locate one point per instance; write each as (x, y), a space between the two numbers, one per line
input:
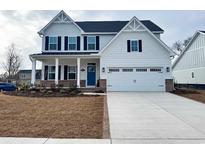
(56, 71)
(78, 71)
(33, 72)
(42, 71)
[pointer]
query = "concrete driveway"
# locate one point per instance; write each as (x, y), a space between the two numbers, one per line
(155, 117)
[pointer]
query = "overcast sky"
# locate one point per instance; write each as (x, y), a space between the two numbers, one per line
(21, 27)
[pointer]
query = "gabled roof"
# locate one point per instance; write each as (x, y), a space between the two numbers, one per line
(98, 26)
(188, 45)
(59, 18)
(113, 26)
(146, 29)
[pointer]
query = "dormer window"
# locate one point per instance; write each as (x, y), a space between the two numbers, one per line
(134, 45)
(72, 43)
(53, 43)
(91, 43)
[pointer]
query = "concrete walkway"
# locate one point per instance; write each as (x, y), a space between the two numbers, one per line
(19, 140)
(155, 117)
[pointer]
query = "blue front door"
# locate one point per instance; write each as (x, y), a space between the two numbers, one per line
(91, 74)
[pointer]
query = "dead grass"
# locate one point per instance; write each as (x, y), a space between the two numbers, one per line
(55, 117)
(198, 95)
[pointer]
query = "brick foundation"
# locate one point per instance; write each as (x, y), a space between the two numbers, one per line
(169, 85)
(82, 83)
(102, 83)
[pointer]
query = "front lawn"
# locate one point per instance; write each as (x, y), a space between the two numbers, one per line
(54, 117)
(198, 95)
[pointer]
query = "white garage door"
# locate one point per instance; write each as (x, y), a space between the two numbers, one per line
(135, 79)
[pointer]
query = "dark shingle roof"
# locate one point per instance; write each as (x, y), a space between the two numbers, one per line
(112, 26)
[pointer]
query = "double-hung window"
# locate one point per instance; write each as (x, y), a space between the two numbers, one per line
(71, 72)
(51, 72)
(91, 43)
(134, 45)
(53, 43)
(72, 43)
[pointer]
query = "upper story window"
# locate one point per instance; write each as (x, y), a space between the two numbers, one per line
(53, 43)
(72, 43)
(134, 45)
(91, 43)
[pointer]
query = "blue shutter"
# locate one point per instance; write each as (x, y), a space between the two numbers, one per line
(128, 45)
(46, 73)
(65, 72)
(140, 45)
(59, 72)
(85, 42)
(46, 42)
(97, 43)
(78, 42)
(66, 42)
(59, 42)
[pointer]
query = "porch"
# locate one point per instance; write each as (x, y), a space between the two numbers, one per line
(68, 71)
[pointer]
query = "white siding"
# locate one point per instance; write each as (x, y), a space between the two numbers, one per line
(193, 60)
(62, 29)
(152, 55)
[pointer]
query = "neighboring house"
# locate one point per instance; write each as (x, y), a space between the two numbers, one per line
(189, 67)
(117, 55)
(24, 77)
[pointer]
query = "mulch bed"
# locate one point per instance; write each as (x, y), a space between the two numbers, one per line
(198, 95)
(54, 117)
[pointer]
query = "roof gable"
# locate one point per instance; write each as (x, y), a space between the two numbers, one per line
(196, 34)
(61, 17)
(136, 25)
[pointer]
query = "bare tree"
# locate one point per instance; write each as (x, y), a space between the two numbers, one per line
(186, 41)
(13, 61)
(179, 46)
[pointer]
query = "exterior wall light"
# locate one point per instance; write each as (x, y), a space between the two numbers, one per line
(103, 69)
(168, 69)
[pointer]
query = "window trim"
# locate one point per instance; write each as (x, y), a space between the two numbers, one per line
(49, 43)
(131, 45)
(76, 43)
(72, 72)
(51, 72)
(88, 43)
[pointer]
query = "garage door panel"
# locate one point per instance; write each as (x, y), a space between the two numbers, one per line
(135, 81)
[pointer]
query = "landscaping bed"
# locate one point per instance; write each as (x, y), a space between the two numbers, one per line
(53, 117)
(198, 95)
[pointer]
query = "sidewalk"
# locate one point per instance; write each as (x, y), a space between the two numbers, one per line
(18, 140)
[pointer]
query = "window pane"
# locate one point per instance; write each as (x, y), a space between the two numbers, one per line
(71, 75)
(53, 46)
(72, 69)
(72, 46)
(91, 40)
(53, 40)
(134, 45)
(91, 46)
(51, 76)
(51, 68)
(72, 40)
(127, 70)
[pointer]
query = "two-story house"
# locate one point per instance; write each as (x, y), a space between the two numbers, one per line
(117, 55)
